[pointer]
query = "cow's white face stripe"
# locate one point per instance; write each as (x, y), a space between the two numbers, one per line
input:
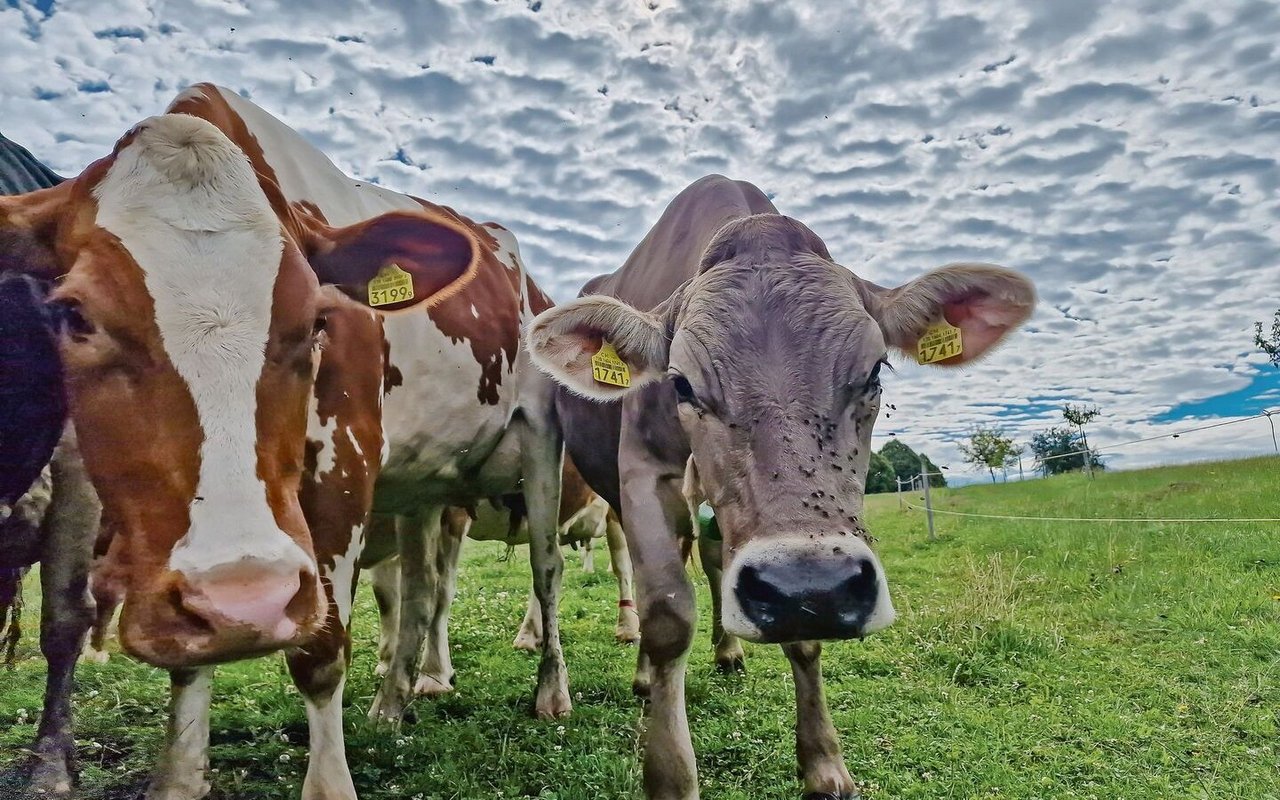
(186, 204)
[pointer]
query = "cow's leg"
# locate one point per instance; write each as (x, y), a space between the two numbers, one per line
(588, 556)
(817, 745)
(385, 577)
(180, 772)
(729, 654)
(436, 676)
(68, 534)
(541, 461)
(657, 516)
(628, 629)
(417, 598)
(319, 671)
(105, 603)
(529, 637)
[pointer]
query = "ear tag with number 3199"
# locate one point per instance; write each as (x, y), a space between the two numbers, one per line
(939, 342)
(390, 285)
(607, 367)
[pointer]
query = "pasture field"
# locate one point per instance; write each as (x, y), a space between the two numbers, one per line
(1030, 660)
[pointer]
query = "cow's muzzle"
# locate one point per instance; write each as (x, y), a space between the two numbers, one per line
(793, 589)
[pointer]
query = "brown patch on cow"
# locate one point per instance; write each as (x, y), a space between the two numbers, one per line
(347, 396)
(391, 374)
(496, 293)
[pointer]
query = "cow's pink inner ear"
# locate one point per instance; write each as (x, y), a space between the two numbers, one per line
(439, 257)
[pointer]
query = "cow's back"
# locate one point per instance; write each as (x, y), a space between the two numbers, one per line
(671, 251)
(669, 255)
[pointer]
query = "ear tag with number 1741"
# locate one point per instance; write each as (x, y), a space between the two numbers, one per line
(607, 367)
(390, 285)
(939, 342)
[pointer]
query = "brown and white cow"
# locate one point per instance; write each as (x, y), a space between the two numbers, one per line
(235, 412)
(752, 351)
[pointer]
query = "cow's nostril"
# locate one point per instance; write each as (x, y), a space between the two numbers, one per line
(301, 606)
(753, 584)
(862, 585)
(188, 611)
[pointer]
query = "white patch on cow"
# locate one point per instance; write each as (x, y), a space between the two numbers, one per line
(322, 432)
(185, 203)
(327, 772)
(343, 573)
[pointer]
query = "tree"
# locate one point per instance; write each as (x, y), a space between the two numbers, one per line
(989, 447)
(879, 475)
(906, 463)
(1269, 344)
(1059, 449)
(1081, 415)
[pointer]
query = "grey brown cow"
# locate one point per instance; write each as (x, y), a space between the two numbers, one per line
(748, 348)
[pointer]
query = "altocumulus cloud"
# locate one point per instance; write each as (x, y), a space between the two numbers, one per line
(1121, 154)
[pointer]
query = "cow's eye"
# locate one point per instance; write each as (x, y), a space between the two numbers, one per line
(68, 318)
(684, 389)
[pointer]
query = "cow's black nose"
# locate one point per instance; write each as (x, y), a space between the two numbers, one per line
(806, 597)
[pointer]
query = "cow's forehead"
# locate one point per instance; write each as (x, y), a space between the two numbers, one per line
(804, 306)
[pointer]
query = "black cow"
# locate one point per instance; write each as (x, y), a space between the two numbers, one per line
(48, 510)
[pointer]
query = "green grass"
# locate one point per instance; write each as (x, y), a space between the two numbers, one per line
(1030, 660)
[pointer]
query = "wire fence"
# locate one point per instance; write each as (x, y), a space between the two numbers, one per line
(1146, 520)
(920, 482)
(1174, 435)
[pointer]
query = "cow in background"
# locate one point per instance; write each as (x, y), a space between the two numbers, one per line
(246, 336)
(584, 517)
(48, 510)
(745, 346)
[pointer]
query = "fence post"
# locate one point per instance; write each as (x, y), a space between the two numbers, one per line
(928, 505)
(898, 482)
(1273, 430)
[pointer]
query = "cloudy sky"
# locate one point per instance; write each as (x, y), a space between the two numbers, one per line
(1121, 154)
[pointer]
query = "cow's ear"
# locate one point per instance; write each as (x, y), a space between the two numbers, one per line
(394, 261)
(28, 227)
(985, 302)
(599, 347)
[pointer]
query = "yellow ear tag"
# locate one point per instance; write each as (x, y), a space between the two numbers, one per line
(608, 368)
(390, 285)
(939, 342)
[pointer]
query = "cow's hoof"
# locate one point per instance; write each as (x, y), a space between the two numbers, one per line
(92, 656)
(628, 629)
(733, 665)
(527, 641)
(191, 788)
(553, 703)
(50, 778)
(832, 796)
(386, 710)
(432, 686)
